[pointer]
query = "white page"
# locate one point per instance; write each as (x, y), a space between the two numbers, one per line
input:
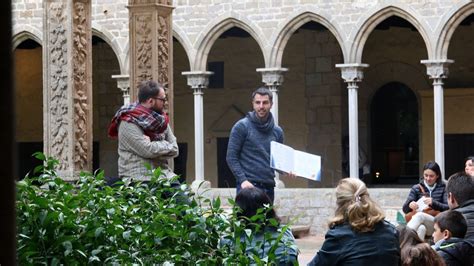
(281, 157)
(421, 204)
(307, 165)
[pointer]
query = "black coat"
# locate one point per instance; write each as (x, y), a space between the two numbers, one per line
(439, 196)
(467, 209)
(457, 252)
(343, 246)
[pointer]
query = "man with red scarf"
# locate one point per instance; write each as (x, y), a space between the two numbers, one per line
(144, 136)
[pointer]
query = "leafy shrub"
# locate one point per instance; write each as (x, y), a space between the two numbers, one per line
(89, 222)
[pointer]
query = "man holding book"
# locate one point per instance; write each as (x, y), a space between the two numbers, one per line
(248, 152)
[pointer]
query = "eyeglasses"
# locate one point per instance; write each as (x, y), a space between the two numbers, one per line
(164, 99)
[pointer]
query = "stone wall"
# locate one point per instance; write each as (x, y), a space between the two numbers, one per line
(314, 207)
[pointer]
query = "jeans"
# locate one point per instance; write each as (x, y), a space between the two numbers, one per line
(270, 191)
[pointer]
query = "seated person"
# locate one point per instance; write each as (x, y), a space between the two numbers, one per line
(358, 233)
(414, 251)
(432, 191)
(450, 229)
(265, 231)
(460, 190)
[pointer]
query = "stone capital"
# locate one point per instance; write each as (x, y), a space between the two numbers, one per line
(352, 72)
(272, 76)
(197, 79)
(437, 69)
(123, 82)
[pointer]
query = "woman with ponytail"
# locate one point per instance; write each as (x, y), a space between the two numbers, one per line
(358, 233)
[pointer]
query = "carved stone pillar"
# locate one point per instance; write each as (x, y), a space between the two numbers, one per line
(352, 74)
(437, 70)
(123, 83)
(273, 79)
(151, 50)
(198, 80)
(67, 72)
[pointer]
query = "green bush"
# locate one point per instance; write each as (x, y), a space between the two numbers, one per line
(89, 222)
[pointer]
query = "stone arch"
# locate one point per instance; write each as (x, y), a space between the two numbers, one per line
(105, 35)
(23, 32)
(183, 39)
(454, 17)
(363, 32)
(292, 24)
(214, 29)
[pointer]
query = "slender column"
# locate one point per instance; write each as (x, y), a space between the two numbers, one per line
(151, 49)
(198, 80)
(273, 79)
(352, 74)
(437, 70)
(67, 83)
(123, 83)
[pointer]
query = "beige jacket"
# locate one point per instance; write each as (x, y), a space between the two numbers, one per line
(135, 151)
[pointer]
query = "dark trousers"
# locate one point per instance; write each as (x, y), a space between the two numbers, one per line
(269, 190)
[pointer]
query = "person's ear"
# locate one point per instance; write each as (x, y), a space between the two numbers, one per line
(446, 234)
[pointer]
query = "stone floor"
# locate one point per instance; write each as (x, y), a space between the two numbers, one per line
(308, 246)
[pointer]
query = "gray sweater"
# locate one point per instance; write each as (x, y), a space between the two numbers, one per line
(248, 152)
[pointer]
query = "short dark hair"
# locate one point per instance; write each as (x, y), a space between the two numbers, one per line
(263, 91)
(433, 166)
(148, 89)
(469, 158)
(453, 221)
(461, 186)
(249, 200)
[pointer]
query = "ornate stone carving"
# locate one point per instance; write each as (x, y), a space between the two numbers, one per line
(352, 72)
(80, 78)
(437, 69)
(141, 2)
(144, 48)
(272, 77)
(198, 79)
(163, 50)
(58, 107)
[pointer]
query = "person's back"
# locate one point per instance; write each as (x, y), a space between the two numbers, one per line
(460, 189)
(358, 233)
(343, 246)
(457, 252)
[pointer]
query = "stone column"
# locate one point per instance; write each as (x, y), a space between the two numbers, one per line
(438, 70)
(123, 83)
(151, 49)
(198, 80)
(352, 73)
(273, 79)
(67, 72)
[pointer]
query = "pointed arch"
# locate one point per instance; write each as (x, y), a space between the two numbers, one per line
(289, 27)
(182, 38)
(24, 32)
(105, 35)
(375, 19)
(455, 17)
(214, 29)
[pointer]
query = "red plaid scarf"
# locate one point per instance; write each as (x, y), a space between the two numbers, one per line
(152, 122)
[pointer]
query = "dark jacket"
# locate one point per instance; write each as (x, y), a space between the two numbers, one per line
(457, 252)
(248, 151)
(467, 209)
(343, 246)
(439, 196)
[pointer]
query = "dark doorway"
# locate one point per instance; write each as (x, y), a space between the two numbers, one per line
(225, 177)
(26, 161)
(394, 135)
(457, 148)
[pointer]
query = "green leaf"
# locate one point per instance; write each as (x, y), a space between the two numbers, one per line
(98, 231)
(126, 234)
(138, 228)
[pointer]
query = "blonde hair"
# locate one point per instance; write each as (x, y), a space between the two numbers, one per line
(355, 206)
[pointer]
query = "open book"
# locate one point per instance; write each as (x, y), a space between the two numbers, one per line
(287, 159)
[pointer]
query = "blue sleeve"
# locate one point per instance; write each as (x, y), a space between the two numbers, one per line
(330, 253)
(441, 204)
(237, 138)
(413, 196)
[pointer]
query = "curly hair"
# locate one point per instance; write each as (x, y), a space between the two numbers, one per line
(354, 206)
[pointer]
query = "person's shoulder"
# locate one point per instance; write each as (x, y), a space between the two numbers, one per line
(340, 230)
